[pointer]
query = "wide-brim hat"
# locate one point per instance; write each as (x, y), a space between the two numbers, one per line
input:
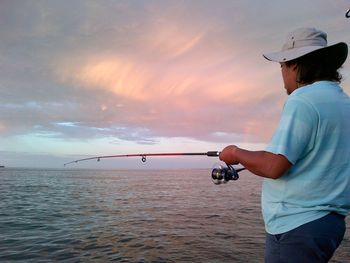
(304, 41)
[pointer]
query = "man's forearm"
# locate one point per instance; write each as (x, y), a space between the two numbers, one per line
(261, 163)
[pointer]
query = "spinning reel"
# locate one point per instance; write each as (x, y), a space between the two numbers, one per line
(221, 174)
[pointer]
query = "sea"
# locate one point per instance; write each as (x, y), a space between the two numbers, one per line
(76, 215)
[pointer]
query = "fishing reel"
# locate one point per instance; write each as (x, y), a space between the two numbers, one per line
(221, 174)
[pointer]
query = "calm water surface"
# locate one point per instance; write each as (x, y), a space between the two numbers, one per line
(131, 216)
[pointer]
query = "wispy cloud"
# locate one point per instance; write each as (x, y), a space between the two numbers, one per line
(142, 71)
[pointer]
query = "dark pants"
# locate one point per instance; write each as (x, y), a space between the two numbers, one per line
(314, 242)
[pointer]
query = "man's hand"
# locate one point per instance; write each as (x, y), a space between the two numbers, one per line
(228, 156)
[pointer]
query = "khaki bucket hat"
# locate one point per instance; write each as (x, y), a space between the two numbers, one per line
(304, 41)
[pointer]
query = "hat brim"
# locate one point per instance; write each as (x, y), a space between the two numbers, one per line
(337, 53)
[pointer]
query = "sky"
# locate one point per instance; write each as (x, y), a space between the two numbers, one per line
(84, 78)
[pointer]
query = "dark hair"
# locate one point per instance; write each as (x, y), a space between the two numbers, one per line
(317, 65)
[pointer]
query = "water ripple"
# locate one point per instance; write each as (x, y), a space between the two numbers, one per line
(130, 216)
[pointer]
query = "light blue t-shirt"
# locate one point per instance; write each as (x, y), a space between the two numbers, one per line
(314, 135)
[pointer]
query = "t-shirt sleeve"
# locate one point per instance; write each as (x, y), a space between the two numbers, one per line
(296, 132)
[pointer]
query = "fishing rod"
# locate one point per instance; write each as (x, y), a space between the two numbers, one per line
(219, 175)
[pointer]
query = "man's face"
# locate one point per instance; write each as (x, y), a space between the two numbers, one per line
(289, 75)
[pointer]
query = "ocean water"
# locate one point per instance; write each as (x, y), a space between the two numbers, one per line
(131, 216)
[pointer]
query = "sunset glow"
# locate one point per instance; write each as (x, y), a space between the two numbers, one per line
(135, 76)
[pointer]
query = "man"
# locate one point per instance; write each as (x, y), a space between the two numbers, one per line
(306, 190)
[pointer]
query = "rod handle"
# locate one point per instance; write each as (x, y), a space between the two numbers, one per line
(213, 153)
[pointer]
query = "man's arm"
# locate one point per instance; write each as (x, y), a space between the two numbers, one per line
(261, 163)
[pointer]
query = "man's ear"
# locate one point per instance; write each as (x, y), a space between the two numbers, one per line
(294, 66)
